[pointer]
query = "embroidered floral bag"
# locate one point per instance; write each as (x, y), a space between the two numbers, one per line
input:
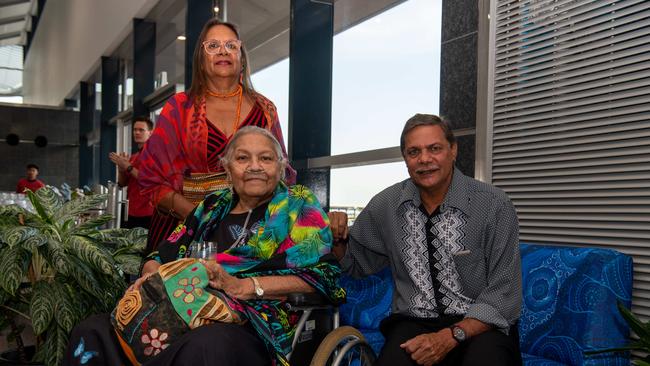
(168, 304)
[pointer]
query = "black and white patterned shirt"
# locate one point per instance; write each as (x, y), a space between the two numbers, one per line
(470, 245)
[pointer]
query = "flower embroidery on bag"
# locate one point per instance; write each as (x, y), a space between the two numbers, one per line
(189, 289)
(155, 341)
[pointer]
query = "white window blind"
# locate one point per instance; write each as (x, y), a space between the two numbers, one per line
(570, 124)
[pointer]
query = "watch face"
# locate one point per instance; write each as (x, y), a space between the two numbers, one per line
(458, 333)
(259, 292)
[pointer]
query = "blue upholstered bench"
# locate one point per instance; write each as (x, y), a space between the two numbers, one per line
(569, 305)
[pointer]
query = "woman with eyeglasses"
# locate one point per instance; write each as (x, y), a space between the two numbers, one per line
(181, 159)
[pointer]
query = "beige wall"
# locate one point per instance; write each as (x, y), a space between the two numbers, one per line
(72, 36)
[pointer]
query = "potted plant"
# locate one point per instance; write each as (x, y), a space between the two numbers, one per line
(639, 343)
(58, 268)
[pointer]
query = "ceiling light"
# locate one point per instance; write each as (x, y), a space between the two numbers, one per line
(181, 38)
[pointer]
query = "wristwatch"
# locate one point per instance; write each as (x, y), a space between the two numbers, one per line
(129, 168)
(458, 333)
(259, 291)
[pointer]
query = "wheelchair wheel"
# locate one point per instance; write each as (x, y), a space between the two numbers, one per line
(344, 346)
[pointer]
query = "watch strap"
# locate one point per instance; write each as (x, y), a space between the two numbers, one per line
(259, 291)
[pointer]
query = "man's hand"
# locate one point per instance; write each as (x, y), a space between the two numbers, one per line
(339, 226)
(431, 348)
(121, 160)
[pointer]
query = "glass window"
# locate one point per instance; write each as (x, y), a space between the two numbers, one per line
(155, 114)
(385, 70)
(11, 73)
(273, 83)
(352, 188)
(170, 48)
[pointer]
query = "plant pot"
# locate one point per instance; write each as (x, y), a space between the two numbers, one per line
(10, 357)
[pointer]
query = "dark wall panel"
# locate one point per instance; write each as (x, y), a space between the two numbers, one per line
(458, 74)
(59, 160)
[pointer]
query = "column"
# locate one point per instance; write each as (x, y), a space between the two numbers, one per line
(86, 123)
(310, 91)
(198, 13)
(144, 62)
(108, 134)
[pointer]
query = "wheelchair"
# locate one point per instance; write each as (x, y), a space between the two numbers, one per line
(368, 302)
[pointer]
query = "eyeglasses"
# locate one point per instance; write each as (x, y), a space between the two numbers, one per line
(213, 46)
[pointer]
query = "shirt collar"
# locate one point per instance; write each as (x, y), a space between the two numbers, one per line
(410, 193)
(456, 197)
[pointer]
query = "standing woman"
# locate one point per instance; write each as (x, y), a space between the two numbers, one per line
(181, 159)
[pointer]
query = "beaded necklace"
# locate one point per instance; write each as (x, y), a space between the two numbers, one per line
(237, 92)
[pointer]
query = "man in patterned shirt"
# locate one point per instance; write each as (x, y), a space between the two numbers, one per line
(452, 244)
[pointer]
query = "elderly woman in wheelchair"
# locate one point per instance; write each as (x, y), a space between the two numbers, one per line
(270, 240)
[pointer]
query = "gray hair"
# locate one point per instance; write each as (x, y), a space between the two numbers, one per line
(426, 120)
(247, 130)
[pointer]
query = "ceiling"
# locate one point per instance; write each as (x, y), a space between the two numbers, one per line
(86, 30)
(16, 21)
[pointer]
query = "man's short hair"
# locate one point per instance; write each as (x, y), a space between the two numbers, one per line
(30, 166)
(426, 120)
(144, 119)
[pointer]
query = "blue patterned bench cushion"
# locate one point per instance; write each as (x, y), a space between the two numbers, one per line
(569, 304)
(368, 302)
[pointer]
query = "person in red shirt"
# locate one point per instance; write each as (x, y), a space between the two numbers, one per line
(30, 182)
(140, 210)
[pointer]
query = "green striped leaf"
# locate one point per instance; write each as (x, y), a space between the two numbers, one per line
(10, 210)
(65, 313)
(111, 235)
(55, 255)
(50, 200)
(13, 262)
(85, 278)
(129, 263)
(137, 233)
(46, 202)
(9, 215)
(34, 240)
(90, 253)
(42, 306)
(114, 287)
(81, 310)
(137, 237)
(56, 342)
(42, 352)
(95, 223)
(112, 241)
(72, 208)
(16, 235)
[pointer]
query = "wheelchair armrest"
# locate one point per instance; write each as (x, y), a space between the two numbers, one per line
(302, 299)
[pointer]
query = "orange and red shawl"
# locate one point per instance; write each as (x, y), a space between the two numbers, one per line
(178, 145)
